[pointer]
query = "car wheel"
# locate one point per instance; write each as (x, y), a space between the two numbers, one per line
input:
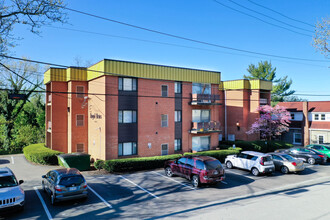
(168, 172)
(255, 171)
(311, 160)
(195, 181)
(229, 165)
(284, 170)
(52, 199)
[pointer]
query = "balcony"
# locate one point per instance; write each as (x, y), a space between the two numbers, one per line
(205, 127)
(205, 99)
(49, 127)
(263, 101)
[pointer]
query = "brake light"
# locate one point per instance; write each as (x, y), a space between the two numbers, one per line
(85, 186)
(294, 163)
(262, 161)
(321, 155)
(58, 188)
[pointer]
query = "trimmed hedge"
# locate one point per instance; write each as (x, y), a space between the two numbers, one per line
(218, 154)
(139, 163)
(40, 154)
(99, 164)
(261, 146)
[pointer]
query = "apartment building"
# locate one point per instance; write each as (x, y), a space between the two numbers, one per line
(118, 109)
(310, 122)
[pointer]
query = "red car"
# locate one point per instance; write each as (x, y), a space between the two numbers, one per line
(198, 169)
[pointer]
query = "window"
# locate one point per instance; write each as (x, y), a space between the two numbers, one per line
(200, 165)
(80, 147)
(200, 115)
(201, 143)
(177, 116)
(292, 116)
(201, 88)
(322, 117)
(126, 149)
(177, 145)
(316, 117)
(190, 162)
(127, 116)
(80, 120)
(177, 87)
(297, 138)
(241, 155)
(164, 149)
(164, 91)
(182, 160)
(126, 84)
(275, 157)
(80, 90)
(320, 139)
(164, 121)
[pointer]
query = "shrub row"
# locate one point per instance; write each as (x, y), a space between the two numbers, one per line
(40, 154)
(218, 154)
(135, 164)
(261, 146)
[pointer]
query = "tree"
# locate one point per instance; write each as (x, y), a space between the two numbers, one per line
(265, 71)
(33, 13)
(16, 84)
(294, 99)
(322, 36)
(273, 122)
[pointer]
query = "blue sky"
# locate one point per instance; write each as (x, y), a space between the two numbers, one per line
(203, 20)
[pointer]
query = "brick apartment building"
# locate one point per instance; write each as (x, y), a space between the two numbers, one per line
(118, 109)
(310, 122)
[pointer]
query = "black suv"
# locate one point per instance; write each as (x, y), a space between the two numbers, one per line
(307, 155)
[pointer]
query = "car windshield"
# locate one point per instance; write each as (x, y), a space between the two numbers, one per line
(71, 181)
(8, 181)
(288, 157)
(212, 164)
(267, 158)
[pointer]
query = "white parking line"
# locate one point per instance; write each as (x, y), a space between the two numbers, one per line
(224, 182)
(105, 202)
(174, 180)
(43, 203)
(140, 187)
(12, 159)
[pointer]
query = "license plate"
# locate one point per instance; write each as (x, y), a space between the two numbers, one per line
(72, 188)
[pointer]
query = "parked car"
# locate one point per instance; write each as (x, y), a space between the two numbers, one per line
(321, 148)
(307, 155)
(64, 184)
(286, 163)
(253, 161)
(12, 196)
(198, 169)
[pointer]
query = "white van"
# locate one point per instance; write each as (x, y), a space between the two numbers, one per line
(253, 161)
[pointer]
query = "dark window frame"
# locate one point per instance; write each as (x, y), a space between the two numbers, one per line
(134, 147)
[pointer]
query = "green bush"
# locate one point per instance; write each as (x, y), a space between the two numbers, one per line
(261, 146)
(99, 164)
(10, 151)
(140, 163)
(40, 154)
(218, 154)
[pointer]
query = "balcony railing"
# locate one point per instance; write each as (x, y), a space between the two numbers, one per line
(205, 127)
(205, 99)
(263, 101)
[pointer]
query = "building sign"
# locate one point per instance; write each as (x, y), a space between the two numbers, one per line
(95, 116)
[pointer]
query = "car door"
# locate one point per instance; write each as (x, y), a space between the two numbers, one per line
(179, 167)
(298, 154)
(278, 161)
(240, 160)
(188, 167)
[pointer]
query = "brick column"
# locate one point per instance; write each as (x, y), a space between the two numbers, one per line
(305, 127)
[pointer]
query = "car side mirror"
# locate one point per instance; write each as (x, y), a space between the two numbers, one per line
(176, 161)
(43, 176)
(20, 182)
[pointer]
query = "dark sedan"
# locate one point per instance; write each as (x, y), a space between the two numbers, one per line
(307, 155)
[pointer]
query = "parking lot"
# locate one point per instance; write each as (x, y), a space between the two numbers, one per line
(150, 194)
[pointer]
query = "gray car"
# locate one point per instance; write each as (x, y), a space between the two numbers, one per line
(64, 184)
(12, 195)
(285, 163)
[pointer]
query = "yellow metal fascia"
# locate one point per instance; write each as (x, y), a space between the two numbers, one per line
(150, 71)
(235, 84)
(55, 75)
(96, 70)
(76, 74)
(261, 84)
(47, 77)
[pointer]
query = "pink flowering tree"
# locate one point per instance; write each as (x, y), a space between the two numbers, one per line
(273, 122)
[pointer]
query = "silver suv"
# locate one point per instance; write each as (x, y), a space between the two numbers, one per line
(12, 196)
(253, 161)
(64, 184)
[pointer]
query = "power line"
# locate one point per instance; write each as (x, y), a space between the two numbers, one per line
(186, 38)
(224, 5)
(270, 17)
(283, 15)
